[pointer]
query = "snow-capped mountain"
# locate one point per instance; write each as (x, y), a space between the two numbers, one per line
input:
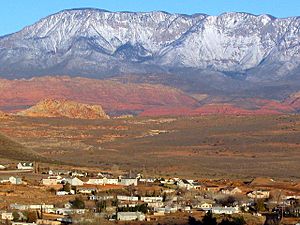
(95, 43)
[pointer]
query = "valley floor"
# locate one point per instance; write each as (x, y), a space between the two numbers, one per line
(207, 146)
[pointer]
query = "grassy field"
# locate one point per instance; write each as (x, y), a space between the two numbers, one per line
(208, 146)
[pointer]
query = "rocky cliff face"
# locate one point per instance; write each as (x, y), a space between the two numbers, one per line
(65, 108)
(96, 43)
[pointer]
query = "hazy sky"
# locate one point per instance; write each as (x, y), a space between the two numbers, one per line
(15, 14)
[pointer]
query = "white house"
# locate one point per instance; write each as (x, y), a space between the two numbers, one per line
(15, 180)
(128, 181)
(62, 193)
(25, 166)
(151, 199)
(74, 181)
(102, 181)
(155, 204)
(95, 181)
(259, 194)
(98, 198)
(2, 167)
(225, 210)
(205, 205)
(185, 184)
(66, 211)
(127, 198)
(131, 216)
(7, 216)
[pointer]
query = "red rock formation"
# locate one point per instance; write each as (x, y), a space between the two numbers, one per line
(65, 108)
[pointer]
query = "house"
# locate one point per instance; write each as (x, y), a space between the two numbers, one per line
(113, 181)
(86, 190)
(32, 207)
(147, 180)
(185, 184)
(155, 204)
(12, 180)
(99, 198)
(205, 205)
(102, 181)
(231, 191)
(128, 181)
(225, 210)
(131, 216)
(151, 199)
(78, 174)
(127, 198)
(7, 216)
(74, 181)
(15, 180)
(95, 181)
(259, 194)
(2, 167)
(66, 211)
(166, 209)
(62, 193)
(25, 166)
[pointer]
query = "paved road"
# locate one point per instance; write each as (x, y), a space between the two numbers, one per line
(15, 171)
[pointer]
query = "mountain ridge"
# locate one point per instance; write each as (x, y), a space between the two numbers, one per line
(100, 43)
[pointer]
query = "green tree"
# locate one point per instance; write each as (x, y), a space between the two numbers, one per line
(101, 205)
(16, 216)
(239, 220)
(78, 203)
(67, 187)
(260, 205)
(208, 219)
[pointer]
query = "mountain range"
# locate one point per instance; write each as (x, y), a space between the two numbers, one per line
(97, 42)
(226, 58)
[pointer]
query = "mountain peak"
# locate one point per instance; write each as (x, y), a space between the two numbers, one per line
(94, 41)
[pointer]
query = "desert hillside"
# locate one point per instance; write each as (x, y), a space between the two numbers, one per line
(113, 96)
(65, 108)
(10, 149)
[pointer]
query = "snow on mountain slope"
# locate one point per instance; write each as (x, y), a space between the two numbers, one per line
(94, 42)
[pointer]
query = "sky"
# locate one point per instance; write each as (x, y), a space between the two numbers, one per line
(16, 14)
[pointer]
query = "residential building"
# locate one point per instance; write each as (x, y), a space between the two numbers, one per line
(127, 198)
(231, 191)
(25, 166)
(128, 181)
(74, 181)
(151, 199)
(259, 194)
(7, 216)
(131, 216)
(225, 210)
(15, 180)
